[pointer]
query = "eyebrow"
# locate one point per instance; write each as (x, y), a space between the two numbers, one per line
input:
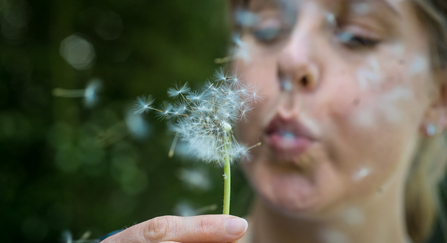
(385, 3)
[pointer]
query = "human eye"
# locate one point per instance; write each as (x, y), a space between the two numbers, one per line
(269, 30)
(266, 35)
(356, 37)
(353, 41)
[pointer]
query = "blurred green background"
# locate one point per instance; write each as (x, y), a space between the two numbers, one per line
(85, 163)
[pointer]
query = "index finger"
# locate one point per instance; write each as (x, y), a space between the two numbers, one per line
(206, 228)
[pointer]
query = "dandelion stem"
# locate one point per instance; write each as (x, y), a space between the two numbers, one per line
(227, 180)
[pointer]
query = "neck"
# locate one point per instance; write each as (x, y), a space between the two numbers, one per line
(380, 219)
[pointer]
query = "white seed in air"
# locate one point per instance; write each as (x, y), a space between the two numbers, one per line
(362, 173)
(398, 50)
(331, 20)
(353, 216)
(361, 8)
(333, 236)
(418, 65)
(364, 118)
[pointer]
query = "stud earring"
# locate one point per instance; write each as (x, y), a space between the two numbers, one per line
(431, 129)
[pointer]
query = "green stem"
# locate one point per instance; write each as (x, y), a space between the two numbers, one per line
(227, 183)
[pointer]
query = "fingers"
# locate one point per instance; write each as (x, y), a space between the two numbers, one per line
(208, 228)
(197, 229)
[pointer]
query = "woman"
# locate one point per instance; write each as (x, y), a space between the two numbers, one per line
(352, 122)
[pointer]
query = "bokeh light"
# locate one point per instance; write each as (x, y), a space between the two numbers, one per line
(78, 52)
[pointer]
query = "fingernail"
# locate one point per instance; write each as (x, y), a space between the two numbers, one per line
(236, 226)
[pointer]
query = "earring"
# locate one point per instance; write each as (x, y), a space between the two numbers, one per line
(431, 129)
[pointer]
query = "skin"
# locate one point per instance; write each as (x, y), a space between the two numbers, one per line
(349, 184)
(366, 109)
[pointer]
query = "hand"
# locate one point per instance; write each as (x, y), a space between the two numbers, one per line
(171, 229)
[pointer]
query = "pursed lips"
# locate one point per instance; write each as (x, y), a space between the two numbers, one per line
(287, 138)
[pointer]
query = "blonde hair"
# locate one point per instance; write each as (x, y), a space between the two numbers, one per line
(422, 202)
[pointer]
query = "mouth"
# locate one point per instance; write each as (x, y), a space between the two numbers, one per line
(288, 139)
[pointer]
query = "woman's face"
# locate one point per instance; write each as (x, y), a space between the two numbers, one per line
(345, 85)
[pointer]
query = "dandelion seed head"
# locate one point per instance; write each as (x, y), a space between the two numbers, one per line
(143, 104)
(241, 151)
(220, 75)
(226, 126)
(204, 118)
(178, 90)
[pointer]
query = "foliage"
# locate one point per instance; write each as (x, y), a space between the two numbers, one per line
(71, 159)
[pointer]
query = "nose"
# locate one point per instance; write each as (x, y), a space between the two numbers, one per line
(297, 67)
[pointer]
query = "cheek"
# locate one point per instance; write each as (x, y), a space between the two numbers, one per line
(262, 75)
(372, 129)
(394, 102)
(385, 105)
(374, 95)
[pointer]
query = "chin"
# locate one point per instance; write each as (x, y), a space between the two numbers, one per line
(290, 191)
(299, 198)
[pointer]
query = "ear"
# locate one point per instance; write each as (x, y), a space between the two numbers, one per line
(435, 121)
